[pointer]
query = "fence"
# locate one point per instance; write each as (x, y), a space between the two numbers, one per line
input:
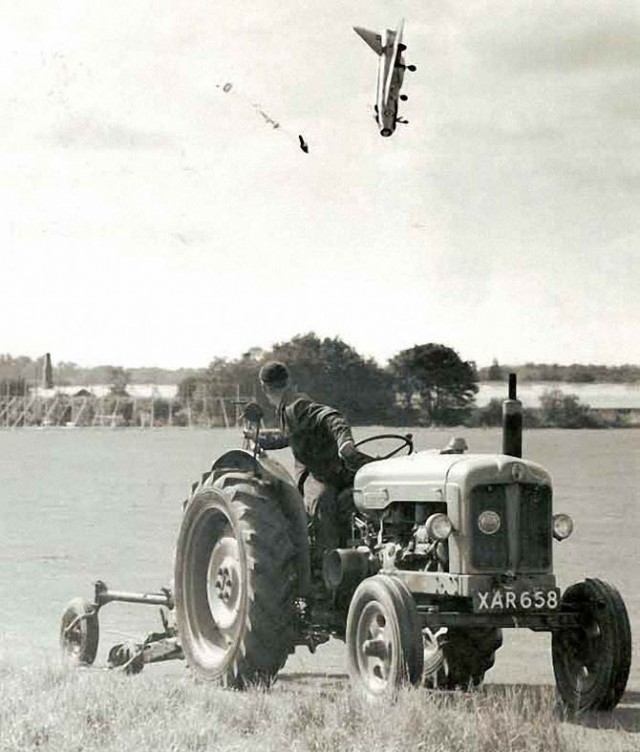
(87, 410)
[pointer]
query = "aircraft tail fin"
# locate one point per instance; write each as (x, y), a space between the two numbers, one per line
(373, 39)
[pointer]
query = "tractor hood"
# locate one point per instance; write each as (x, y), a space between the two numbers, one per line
(424, 476)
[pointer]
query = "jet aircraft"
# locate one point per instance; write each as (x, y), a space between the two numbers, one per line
(391, 68)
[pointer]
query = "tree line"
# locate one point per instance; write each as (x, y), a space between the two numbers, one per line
(425, 385)
(24, 372)
(576, 373)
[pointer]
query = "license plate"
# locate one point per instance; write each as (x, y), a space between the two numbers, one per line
(508, 600)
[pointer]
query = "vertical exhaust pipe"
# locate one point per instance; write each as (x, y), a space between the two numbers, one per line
(512, 421)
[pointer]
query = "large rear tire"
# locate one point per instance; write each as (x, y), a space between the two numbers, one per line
(591, 662)
(460, 658)
(234, 582)
(383, 637)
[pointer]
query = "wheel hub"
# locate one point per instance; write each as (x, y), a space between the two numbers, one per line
(73, 637)
(374, 647)
(226, 583)
(224, 588)
(582, 652)
(74, 640)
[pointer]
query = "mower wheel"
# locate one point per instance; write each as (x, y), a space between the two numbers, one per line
(591, 662)
(383, 637)
(79, 632)
(234, 582)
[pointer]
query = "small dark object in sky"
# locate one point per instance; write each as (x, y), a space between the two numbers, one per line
(303, 145)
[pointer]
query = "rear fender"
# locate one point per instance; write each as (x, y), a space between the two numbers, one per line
(238, 460)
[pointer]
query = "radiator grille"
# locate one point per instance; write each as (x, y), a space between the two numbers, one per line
(489, 551)
(523, 542)
(536, 535)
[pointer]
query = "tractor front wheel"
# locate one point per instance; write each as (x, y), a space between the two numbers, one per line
(591, 662)
(383, 637)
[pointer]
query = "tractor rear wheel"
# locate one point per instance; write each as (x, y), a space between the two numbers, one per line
(383, 637)
(460, 658)
(591, 662)
(234, 581)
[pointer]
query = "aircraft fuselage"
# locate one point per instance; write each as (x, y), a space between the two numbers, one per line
(390, 76)
(391, 68)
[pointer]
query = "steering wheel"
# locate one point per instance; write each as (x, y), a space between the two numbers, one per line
(406, 442)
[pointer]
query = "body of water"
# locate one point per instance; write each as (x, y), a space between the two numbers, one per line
(595, 395)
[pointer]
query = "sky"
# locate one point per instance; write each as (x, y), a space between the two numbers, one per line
(149, 218)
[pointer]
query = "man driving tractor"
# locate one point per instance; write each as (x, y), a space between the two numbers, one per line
(326, 457)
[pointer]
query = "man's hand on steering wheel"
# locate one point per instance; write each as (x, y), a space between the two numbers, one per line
(352, 457)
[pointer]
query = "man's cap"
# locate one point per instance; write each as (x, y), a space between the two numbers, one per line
(274, 374)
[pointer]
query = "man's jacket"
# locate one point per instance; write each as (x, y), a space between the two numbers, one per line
(315, 433)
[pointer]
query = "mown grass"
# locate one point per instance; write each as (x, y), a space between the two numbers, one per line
(60, 709)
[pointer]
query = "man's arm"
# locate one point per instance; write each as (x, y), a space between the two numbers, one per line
(273, 439)
(269, 438)
(307, 414)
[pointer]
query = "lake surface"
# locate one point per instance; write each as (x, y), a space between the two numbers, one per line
(594, 395)
(77, 505)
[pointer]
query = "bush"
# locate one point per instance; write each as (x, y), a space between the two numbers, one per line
(560, 410)
(487, 416)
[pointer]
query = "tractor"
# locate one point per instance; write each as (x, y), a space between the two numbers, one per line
(446, 549)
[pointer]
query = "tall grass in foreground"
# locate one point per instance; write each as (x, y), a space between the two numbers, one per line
(54, 708)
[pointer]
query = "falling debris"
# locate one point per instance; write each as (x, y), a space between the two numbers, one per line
(268, 119)
(229, 88)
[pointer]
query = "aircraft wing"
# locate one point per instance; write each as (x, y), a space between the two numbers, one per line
(373, 39)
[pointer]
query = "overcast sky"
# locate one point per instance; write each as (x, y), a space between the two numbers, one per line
(150, 218)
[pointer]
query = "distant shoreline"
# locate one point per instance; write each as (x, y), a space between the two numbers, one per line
(601, 395)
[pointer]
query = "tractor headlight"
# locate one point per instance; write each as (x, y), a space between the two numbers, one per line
(439, 526)
(489, 522)
(562, 526)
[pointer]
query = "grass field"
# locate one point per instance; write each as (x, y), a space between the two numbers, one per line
(91, 710)
(77, 505)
